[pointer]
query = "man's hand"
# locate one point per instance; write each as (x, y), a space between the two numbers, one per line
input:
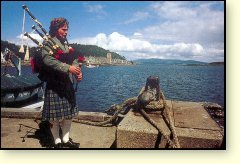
(79, 76)
(75, 70)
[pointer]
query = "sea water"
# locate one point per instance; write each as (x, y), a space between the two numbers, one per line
(104, 86)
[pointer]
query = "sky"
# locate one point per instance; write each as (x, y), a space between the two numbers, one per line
(186, 30)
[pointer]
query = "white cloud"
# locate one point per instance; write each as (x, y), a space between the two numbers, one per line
(137, 16)
(174, 30)
(34, 36)
(98, 10)
(186, 22)
(185, 29)
(173, 10)
(94, 8)
(137, 48)
(26, 40)
(137, 34)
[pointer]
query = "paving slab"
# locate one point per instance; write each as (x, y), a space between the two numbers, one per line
(135, 132)
(87, 136)
(199, 138)
(192, 115)
(193, 125)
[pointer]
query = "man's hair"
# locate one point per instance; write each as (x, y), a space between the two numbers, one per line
(57, 23)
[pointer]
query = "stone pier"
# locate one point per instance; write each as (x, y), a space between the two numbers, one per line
(194, 127)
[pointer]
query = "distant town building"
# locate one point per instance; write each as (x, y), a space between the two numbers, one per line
(93, 60)
(109, 58)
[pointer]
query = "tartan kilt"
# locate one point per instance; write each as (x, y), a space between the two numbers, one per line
(58, 107)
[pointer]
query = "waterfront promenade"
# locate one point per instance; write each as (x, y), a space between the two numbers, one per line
(193, 124)
(88, 136)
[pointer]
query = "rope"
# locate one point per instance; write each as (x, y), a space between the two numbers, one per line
(158, 105)
(103, 122)
(152, 105)
(116, 108)
(152, 122)
(132, 102)
(171, 124)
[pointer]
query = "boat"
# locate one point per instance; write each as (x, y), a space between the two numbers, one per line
(91, 66)
(18, 90)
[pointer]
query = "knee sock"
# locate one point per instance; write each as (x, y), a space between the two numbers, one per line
(66, 125)
(55, 131)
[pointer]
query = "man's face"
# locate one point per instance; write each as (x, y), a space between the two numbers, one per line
(62, 32)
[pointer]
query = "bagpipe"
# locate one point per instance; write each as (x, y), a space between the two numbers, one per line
(51, 47)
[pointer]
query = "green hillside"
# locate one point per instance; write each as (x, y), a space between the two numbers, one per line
(85, 50)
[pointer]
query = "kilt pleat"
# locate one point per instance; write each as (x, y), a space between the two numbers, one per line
(56, 107)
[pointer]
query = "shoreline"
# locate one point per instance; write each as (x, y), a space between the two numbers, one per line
(104, 64)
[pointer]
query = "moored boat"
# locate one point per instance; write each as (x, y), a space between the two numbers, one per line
(17, 90)
(91, 66)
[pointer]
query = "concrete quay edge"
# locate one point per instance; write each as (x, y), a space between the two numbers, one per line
(30, 113)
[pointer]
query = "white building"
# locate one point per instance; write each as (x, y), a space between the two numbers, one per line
(109, 58)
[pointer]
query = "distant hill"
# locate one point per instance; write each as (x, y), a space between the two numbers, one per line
(85, 50)
(11, 46)
(216, 63)
(93, 50)
(167, 61)
(208, 64)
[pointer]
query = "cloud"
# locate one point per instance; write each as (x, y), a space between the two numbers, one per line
(26, 40)
(95, 9)
(173, 10)
(133, 48)
(168, 30)
(186, 22)
(137, 34)
(137, 16)
(184, 29)
(34, 36)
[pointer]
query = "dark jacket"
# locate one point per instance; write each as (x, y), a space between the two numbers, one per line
(55, 72)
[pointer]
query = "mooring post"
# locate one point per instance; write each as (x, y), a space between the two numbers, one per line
(151, 92)
(152, 85)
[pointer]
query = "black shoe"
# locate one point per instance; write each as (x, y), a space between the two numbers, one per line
(71, 144)
(58, 145)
